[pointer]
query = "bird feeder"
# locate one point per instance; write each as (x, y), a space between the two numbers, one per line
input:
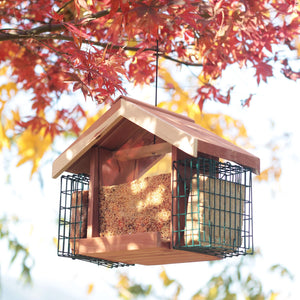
(148, 186)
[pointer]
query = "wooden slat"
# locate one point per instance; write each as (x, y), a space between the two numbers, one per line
(179, 204)
(226, 150)
(156, 109)
(140, 248)
(93, 211)
(119, 243)
(143, 151)
(155, 256)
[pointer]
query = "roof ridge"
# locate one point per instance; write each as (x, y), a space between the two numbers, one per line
(150, 106)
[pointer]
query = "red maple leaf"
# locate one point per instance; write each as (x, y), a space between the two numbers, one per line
(246, 102)
(290, 74)
(263, 70)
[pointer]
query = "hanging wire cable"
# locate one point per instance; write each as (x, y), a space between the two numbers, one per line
(156, 73)
(156, 81)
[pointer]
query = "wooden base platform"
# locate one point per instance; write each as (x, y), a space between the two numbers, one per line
(140, 248)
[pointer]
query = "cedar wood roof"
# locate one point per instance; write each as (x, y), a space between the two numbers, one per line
(178, 130)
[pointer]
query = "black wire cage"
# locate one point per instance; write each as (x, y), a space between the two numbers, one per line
(212, 207)
(73, 211)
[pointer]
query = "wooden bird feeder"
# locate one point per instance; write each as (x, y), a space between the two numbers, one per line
(147, 187)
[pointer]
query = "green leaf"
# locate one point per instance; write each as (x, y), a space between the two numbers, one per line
(139, 290)
(178, 291)
(230, 296)
(283, 271)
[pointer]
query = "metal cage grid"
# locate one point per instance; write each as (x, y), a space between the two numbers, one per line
(72, 224)
(212, 207)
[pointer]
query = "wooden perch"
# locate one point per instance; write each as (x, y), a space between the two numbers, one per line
(141, 152)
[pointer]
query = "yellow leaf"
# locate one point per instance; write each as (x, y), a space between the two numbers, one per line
(273, 296)
(213, 292)
(55, 241)
(2, 104)
(32, 147)
(132, 43)
(90, 288)
(275, 148)
(277, 174)
(3, 71)
(181, 97)
(198, 297)
(204, 78)
(166, 280)
(10, 88)
(264, 175)
(16, 115)
(123, 281)
(297, 45)
(4, 141)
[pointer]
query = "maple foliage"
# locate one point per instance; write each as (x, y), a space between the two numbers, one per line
(52, 47)
(223, 125)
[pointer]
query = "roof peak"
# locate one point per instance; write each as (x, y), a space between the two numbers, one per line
(150, 106)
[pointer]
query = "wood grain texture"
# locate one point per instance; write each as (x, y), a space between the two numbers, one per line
(141, 248)
(143, 151)
(93, 220)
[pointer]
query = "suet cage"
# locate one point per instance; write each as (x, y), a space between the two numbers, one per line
(212, 207)
(73, 212)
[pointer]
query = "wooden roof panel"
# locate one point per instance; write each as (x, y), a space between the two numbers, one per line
(210, 143)
(123, 120)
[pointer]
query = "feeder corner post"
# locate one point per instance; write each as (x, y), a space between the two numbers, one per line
(93, 220)
(178, 207)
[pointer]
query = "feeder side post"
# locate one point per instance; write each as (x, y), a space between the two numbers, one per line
(178, 201)
(174, 185)
(93, 223)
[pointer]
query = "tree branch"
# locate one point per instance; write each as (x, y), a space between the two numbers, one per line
(58, 27)
(126, 48)
(182, 62)
(25, 35)
(37, 34)
(53, 27)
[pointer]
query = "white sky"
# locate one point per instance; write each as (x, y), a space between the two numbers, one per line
(276, 210)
